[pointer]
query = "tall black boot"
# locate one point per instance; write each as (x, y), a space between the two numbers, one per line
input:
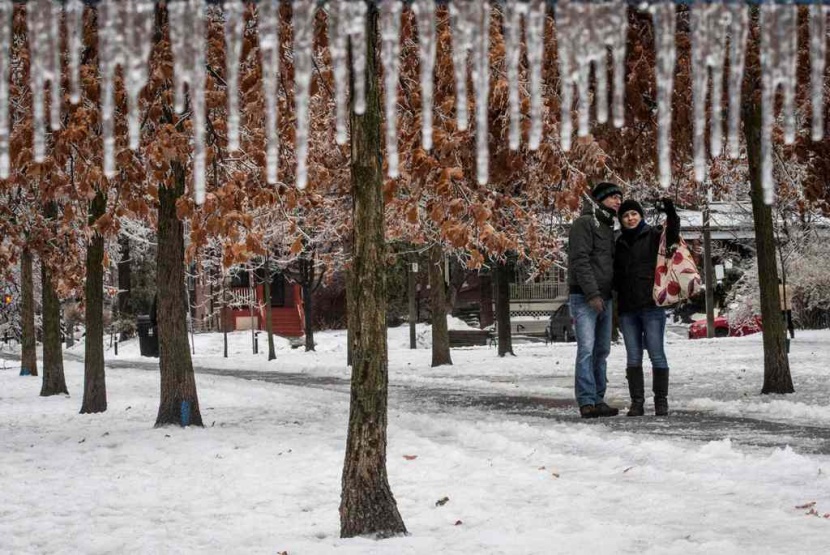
(634, 375)
(661, 391)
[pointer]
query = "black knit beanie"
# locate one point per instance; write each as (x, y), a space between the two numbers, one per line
(629, 205)
(604, 190)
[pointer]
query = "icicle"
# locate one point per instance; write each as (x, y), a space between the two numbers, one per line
(140, 18)
(818, 54)
(535, 38)
(481, 84)
(585, 33)
(187, 37)
(708, 53)
(125, 39)
(303, 24)
(337, 20)
(390, 29)
(234, 34)
(269, 46)
(738, 31)
(461, 13)
(664, 27)
(43, 21)
(779, 26)
(512, 56)
(425, 17)
(6, 10)
(75, 42)
(470, 20)
(357, 31)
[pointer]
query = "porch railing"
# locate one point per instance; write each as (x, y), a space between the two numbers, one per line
(538, 291)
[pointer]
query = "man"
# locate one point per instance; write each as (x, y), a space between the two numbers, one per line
(590, 281)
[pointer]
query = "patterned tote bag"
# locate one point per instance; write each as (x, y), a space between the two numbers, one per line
(676, 277)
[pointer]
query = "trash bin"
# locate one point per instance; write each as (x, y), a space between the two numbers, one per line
(148, 339)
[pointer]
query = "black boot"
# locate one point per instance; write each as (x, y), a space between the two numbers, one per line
(661, 391)
(634, 375)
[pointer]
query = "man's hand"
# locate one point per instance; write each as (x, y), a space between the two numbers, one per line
(597, 304)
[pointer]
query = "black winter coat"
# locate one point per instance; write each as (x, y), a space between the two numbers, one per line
(635, 261)
(591, 252)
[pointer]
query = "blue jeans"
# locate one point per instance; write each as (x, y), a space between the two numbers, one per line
(593, 343)
(644, 329)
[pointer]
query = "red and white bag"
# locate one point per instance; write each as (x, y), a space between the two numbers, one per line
(676, 277)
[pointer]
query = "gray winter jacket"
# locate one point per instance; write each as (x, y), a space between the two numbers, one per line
(591, 252)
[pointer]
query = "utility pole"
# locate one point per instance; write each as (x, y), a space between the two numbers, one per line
(708, 269)
(413, 272)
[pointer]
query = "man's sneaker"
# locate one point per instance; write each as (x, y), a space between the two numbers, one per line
(603, 410)
(588, 411)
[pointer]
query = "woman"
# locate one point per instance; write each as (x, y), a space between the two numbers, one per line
(642, 322)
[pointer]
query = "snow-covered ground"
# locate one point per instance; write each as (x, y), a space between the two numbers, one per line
(263, 476)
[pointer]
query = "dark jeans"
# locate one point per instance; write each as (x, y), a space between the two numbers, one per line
(593, 343)
(644, 330)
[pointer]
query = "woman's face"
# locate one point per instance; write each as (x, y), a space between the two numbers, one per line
(630, 219)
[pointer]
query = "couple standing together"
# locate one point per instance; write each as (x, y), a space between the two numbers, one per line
(598, 264)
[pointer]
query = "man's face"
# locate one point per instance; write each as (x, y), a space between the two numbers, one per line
(612, 202)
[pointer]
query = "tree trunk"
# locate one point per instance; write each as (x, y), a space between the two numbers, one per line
(367, 505)
(224, 316)
(413, 306)
(95, 384)
(502, 294)
(438, 308)
(307, 282)
(178, 403)
(269, 326)
(777, 378)
(28, 357)
(54, 381)
(124, 283)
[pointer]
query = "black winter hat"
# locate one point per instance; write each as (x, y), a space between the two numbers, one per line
(604, 190)
(629, 205)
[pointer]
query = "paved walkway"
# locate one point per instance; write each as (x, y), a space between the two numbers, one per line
(689, 425)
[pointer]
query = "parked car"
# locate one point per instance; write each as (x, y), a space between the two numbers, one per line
(723, 328)
(560, 325)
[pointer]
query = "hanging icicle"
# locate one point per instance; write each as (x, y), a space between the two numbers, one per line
(43, 21)
(535, 38)
(712, 24)
(818, 54)
(533, 14)
(390, 30)
(779, 26)
(585, 32)
(347, 19)
(124, 39)
(187, 37)
(75, 43)
(234, 34)
(738, 32)
(664, 27)
(425, 18)
(513, 11)
(6, 10)
(303, 24)
(470, 20)
(708, 55)
(481, 84)
(269, 47)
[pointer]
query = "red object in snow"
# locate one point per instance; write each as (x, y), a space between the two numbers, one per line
(724, 329)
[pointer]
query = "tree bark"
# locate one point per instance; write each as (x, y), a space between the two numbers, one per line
(438, 305)
(307, 283)
(367, 506)
(502, 294)
(28, 356)
(777, 378)
(179, 402)
(95, 384)
(54, 381)
(124, 283)
(269, 326)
